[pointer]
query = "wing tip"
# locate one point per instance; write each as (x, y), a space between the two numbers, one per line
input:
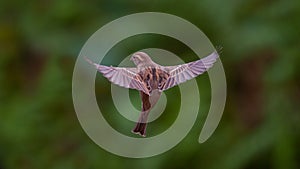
(92, 63)
(88, 60)
(219, 50)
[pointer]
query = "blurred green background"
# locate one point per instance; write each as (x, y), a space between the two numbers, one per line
(40, 41)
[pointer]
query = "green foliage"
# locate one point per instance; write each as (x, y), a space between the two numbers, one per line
(40, 41)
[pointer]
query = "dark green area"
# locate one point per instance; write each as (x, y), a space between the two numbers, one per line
(260, 128)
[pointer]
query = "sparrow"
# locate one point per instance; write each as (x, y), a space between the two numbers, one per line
(151, 79)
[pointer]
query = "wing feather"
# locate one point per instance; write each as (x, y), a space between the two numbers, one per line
(124, 77)
(181, 73)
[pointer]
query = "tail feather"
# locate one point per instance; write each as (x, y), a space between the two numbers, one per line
(140, 128)
(141, 125)
(147, 103)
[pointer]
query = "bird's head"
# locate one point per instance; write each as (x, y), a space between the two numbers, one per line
(139, 58)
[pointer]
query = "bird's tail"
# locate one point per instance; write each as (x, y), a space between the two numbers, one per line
(141, 125)
(140, 128)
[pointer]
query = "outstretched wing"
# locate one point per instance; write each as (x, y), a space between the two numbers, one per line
(124, 77)
(181, 73)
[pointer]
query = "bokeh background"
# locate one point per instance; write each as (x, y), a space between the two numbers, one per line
(40, 42)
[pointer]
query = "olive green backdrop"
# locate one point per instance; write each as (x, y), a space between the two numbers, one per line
(40, 41)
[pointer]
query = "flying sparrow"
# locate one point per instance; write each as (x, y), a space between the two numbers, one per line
(151, 79)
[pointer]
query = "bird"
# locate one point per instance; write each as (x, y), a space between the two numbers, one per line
(151, 79)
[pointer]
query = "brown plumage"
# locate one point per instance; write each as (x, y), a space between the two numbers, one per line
(151, 79)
